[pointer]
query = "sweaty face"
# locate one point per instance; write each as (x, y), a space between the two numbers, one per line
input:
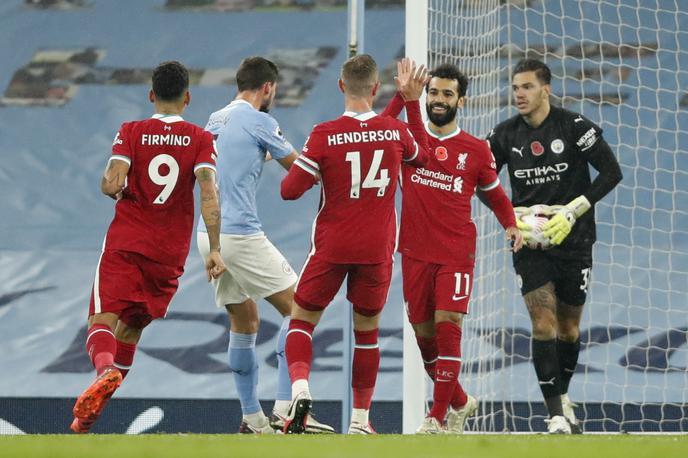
(442, 101)
(269, 100)
(529, 93)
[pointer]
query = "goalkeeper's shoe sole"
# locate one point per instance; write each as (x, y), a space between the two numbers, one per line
(93, 400)
(298, 414)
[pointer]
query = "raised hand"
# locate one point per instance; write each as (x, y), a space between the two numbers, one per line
(410, 79)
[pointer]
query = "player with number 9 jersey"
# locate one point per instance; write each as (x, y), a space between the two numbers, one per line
(151, 174)
(155, 215)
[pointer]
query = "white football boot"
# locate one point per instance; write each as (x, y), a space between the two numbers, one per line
(360, 428)
(570, 415)
(558, 425)
(456, 419)
(431, 426)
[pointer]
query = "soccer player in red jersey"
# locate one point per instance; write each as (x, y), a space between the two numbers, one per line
(151, 175)
(437, 238)
(356, 158)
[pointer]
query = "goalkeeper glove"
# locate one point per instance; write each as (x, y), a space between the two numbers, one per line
(557, 228)
(525, 228)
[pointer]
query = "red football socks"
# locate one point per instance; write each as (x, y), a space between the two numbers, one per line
(364, 368)
(124, 357)
(101, 347)
(299, 349)
(428, 351)
(448, 336)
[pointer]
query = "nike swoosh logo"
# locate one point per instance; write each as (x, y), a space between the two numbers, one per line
(548, 382)
(458, 298)
(578, 119)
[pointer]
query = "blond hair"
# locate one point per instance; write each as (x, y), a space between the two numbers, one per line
(359, 75)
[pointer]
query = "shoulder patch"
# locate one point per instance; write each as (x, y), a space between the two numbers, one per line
(587, 140)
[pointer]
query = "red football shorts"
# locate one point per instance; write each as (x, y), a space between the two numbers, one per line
(429, 287)
(367, 285)
(133, 286)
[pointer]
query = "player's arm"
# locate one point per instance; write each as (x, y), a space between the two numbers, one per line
(602, 158)
(210, 212)
(501, 206)
(301, 178)
(410, 82)
(288, 160)
(394, 106)
(492, 192)
(115, 176)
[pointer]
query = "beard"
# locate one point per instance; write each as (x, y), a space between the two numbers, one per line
(265, 107)
(441, 119)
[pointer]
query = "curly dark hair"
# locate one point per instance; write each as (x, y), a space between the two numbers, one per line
(170, 81)
(451, 72)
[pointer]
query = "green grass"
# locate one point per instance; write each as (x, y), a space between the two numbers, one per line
(383, 446)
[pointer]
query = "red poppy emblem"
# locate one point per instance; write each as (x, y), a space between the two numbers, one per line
(441, 153)
(537, 149)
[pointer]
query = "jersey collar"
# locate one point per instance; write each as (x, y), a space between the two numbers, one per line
(360, 116)
(167, 118)
(239, 101)
(442, 137)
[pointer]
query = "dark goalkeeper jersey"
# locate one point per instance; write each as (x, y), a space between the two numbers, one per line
(549, 165)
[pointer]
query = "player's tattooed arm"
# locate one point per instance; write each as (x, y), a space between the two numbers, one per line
(210, 205)
(114, 178)
(210, 212)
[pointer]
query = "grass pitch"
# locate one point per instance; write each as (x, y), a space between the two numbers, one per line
(382, 446)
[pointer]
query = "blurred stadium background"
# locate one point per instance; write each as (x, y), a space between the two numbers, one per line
(73, 70)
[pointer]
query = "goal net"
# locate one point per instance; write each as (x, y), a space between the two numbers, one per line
(625, 66)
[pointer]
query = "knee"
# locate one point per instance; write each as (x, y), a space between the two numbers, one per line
(130, 335)
(443, 316)
(568, 331)
(425, 330)
(543, 327)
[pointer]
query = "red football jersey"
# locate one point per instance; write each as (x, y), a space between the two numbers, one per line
(155, 215)
(436, 223)
(358, 157)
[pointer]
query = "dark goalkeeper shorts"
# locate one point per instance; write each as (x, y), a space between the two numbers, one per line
(569, 274)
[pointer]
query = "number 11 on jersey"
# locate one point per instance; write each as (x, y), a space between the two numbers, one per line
(371, 180)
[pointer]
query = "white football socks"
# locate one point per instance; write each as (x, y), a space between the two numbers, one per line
(360, 416)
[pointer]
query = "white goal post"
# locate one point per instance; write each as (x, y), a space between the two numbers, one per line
(624, 65)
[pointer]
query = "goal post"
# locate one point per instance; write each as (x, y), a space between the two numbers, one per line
(624, 65)
(413, 378)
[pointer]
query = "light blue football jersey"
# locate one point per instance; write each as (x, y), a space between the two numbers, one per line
(243, 137)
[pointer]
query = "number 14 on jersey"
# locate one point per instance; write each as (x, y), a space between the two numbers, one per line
(371, 180)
